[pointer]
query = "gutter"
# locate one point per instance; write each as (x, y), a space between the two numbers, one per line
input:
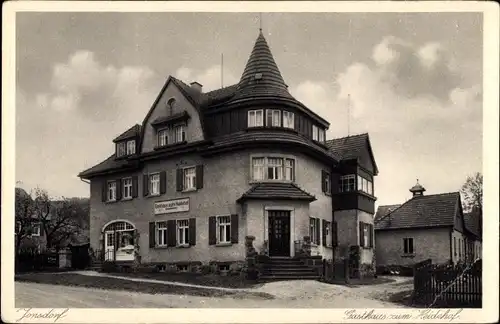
(87, 182)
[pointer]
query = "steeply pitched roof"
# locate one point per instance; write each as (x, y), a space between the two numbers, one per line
(285, 191)
(384, 210)
(107, 165)
(129, 133)
(422, 211)
(351, 147)
(472, 224)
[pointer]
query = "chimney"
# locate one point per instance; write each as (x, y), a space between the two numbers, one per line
(196, 86)
(417, 190)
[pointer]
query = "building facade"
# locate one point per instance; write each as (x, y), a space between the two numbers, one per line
(204, 170)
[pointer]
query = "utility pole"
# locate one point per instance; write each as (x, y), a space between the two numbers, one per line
(222, 70)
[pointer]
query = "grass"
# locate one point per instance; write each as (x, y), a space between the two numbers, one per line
(196, 279)
(76, 280)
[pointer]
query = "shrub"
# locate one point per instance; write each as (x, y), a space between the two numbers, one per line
(108, 266)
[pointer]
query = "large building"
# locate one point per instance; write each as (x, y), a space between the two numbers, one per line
(206, 169)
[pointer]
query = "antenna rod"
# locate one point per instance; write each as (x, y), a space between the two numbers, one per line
(348, 114)
(222, 70)
(260, 21)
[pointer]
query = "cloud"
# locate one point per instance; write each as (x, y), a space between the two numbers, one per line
(425, 122)
(69, 128)
(210, 78)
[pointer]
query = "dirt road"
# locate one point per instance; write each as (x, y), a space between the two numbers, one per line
(296, 294)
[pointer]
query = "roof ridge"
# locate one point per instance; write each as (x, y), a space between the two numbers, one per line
(392, 211)
(348, 136)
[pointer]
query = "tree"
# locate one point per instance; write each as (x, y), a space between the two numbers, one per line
(472, 192)
(24, 220)
(60, 219)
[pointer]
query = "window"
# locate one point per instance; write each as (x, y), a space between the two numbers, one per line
(274, 168)
(111, 190)
(288, 119)
(347, 183)
(179, 134)
(182, 267)
(273, 118)
(131, 147)
(161, 234)
(223, 267)
(313, 230)
(35, 229)
(183, 232)
(258, 168)
(327, 188)
(127, 188)
(154, 184)
(289, 169)
(121, 149)
(255, 118)
(408, 246)
(224, 226)
(366, 235)
(455, 246)
(163, 137)
(318, 134)
(189, 182)
(328, 233)
(365, 185)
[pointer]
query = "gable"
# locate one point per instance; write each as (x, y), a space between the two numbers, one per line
(356, 147)
(160, 113)
(459, 222)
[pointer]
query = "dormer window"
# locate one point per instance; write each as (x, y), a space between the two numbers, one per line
(318, 134)
(255, 118)
(131, 147)
(180, 134)
(288, 119)
(176, 134)
(121, 149)
(163, 137)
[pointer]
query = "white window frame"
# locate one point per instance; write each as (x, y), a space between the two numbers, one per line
(182, 235)
(313, 230)
(407, 245)
(223, 221)
(321, 134)
(289, 167)
(277, 168)
(111, 190)
(161, 233)
(127, 186)
(121, 149)
(253, 120)
(38, 227)
(152, 180)
(179, 133)
(258, 169)
(288, 119)
(189, 178)
(347, 178)
(275, 116)
(163, 136)
(328, 234)
(130, 147)
(328, 184)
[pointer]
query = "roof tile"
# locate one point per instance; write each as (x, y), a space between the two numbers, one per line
(276, 191)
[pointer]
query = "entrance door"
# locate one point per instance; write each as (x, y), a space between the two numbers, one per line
(279, 233)
(109, 246)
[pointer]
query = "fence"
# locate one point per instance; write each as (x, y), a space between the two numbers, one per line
(32, 260)
(333, 271)
(448, 286)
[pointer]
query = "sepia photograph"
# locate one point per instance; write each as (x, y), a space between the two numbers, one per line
(246, 160)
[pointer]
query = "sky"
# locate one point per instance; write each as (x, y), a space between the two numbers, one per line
(414, 83)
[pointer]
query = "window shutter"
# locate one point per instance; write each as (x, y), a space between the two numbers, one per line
(135, 189)
(212, 228)
(152, 235)
(171, 231)
(334, 234)
(179, 180)
(104, 190)
(145, 185)
(234, 228)
(323, 176)
(163, 182)
(118, 189)
(199, 176)
(372, 236)
(192, 231)
(361, 234)
(318, 224)
(324, 232)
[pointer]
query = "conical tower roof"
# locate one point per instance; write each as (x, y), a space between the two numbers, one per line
(261, 77)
